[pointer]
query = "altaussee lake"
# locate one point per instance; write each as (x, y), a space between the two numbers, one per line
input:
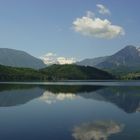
(70, 111)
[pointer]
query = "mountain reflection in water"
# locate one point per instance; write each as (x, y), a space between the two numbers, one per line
(69, 112)
(126, 98)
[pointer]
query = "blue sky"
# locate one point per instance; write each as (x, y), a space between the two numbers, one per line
(43, 26)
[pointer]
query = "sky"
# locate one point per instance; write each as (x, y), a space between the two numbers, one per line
(71, 29)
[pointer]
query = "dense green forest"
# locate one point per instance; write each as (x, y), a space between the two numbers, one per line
(125, 73)
(54, 72)
(131, 76)
(8, 73)
(72, 72)
(65, 72)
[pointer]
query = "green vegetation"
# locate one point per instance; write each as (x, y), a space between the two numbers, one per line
(71, 88)
(125, 73)
(54, 72)
(131, 76)
(74, 72)
(8, 73)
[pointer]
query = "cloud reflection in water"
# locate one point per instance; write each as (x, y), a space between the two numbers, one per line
(50, 97)
(99, 130)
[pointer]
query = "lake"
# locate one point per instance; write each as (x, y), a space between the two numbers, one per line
(70, 111)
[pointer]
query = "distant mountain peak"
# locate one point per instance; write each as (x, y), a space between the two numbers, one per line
(127, 52)
(17, 58)
(128, 57)
(130, 47)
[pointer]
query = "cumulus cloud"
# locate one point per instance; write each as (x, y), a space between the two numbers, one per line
(90, 14)
(99, 130)
(97, 27)
(103, 10)
(51, 58)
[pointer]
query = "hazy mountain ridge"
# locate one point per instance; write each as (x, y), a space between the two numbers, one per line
(16, 58)
(128, 57)
(92, 61)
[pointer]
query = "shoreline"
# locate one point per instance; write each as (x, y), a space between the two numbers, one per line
(80, 82)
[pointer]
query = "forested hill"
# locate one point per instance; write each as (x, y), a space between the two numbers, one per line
(54, 72)
(72, 72)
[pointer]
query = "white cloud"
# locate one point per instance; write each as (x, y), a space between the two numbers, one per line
(51, 58)
(90, 14)
(97, 27)
(103, 10)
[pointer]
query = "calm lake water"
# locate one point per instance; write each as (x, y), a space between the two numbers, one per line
(71, 111)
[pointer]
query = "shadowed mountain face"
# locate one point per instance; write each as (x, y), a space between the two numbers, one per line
(126, 98)
(16, 58)
(92, 61)
(128, 57)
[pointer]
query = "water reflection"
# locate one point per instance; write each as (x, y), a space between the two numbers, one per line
(50, 97)
(99, 130)
(126, 98)
(68, 107)
(13, 95)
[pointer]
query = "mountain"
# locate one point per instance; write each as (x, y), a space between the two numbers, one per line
(16, 58)
(127, 59)
(92, 61)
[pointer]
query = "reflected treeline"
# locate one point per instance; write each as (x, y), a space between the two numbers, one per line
(127, 98)
(98, 130)
(71, 88)
(4, 87)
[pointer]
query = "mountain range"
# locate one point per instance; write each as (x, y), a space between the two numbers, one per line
(127, 58)
(16, 58)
